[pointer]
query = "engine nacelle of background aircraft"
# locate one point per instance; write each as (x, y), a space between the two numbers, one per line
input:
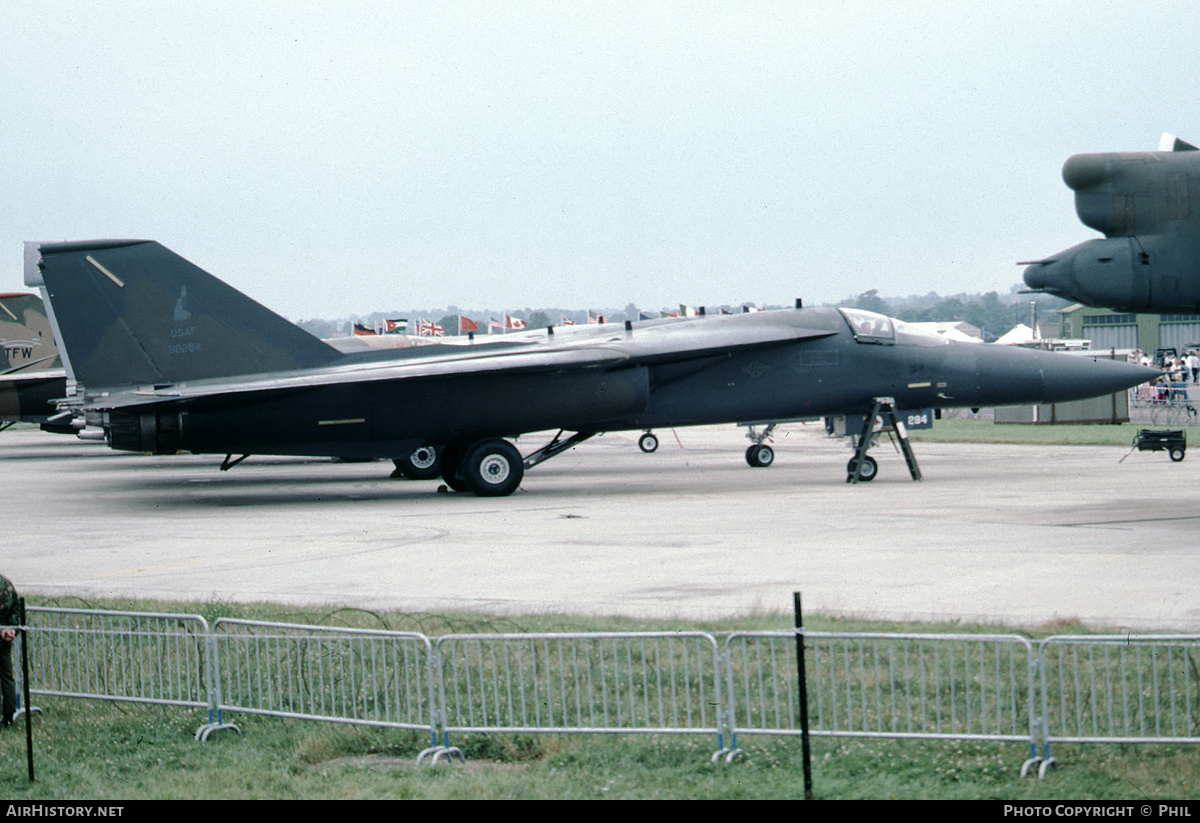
(1147, 204)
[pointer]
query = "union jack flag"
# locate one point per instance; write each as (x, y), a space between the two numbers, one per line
(427, 328)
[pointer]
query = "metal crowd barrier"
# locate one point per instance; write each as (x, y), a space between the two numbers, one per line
(661, 682)
(140, 657)
(920, 686)
(1120, 689)
(964, 687)
(1163, 404)
(359, 676)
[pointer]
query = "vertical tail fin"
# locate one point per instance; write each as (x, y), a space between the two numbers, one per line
(132, 312)
(26, 336)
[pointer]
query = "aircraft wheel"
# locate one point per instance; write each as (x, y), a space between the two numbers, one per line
(493, 468)
(451, 456)
(760, 456)
(648, 443)
(869, 469)
(425, 463)
(1176, 454)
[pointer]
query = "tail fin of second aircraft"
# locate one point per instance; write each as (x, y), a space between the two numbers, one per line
(131, 313)
(25, 334)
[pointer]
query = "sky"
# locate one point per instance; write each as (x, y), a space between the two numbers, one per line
(333, 159)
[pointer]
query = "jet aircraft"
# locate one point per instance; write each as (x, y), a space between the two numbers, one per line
(1147, 204)
(171, 359)
(32, 377)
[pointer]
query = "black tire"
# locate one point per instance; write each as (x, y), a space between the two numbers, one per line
(493, 468)
(869, 469)
(648, 443)
(760, 456)
(451, 457)
(1176, 454)
(424, 463)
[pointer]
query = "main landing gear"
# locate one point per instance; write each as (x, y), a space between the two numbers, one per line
(491, 467)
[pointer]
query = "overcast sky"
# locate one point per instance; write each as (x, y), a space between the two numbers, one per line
(337, 158)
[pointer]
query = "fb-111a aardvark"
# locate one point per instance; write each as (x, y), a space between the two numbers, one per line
(171, 359)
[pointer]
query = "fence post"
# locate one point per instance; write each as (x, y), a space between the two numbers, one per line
(802, 685)
(25, 687)
(212, 673)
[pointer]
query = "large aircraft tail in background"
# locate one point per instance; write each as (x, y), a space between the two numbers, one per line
(139, 314)
(31, 374)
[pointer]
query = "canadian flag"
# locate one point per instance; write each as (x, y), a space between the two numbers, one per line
(511, 322)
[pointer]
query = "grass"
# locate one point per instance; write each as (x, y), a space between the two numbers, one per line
(96, 750)
(985, 431)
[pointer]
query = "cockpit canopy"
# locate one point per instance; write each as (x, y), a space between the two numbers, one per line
(876, 329)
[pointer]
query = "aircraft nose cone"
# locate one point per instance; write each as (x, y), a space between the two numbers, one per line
(1050, 276)
(1085, 171)
(994, 375)
(1070, 377)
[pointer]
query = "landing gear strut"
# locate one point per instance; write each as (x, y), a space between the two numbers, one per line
(864, 468)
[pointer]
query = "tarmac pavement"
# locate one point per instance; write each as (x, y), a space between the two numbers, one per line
(1014, 535)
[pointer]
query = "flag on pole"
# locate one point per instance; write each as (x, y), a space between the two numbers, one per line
(396, 326)
(427, 328)
(361, 330)
(493, 323)
(566, 321)
(511, 322)
(466, 324)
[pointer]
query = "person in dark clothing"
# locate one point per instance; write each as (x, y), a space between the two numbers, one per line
(9, 617)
